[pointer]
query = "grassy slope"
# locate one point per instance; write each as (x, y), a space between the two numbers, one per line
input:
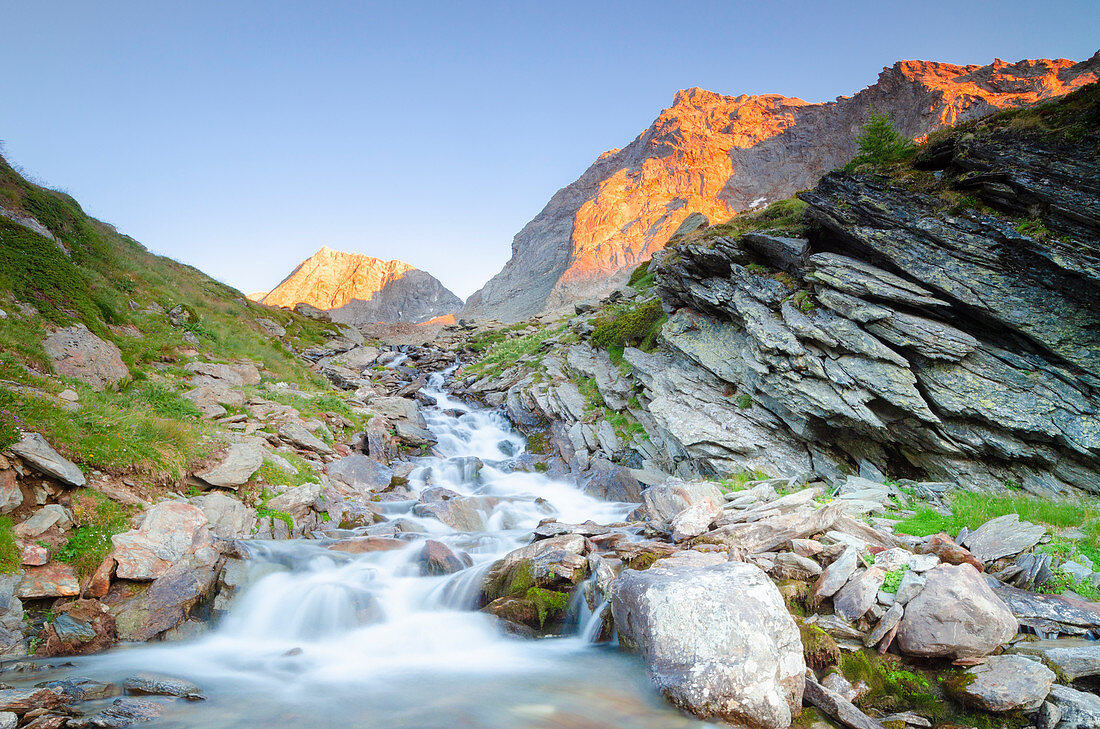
(120, 291)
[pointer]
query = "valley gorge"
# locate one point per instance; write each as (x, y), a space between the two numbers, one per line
(829, 463)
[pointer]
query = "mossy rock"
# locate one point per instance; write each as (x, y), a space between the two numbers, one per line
(818, 647)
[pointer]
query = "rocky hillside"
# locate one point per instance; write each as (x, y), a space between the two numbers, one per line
(720, 155)
(936, 319)
(358, 289)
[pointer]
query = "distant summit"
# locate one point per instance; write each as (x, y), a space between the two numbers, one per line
(358, 289)
(720, 155)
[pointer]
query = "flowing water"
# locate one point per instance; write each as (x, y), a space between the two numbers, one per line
(326, 639)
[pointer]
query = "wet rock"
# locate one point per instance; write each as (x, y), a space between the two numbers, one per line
(34, 449)
(1079, 710)
(956, 616)
(554, 564)
(56, 579)
(20, 701)
(1004, 536)
(413, 435)
(296, 434)
(1004, 683)
(360, 473)
(944, 547)
(122, 713)
(171, 532)
(164, 605)
(236, 467)
(155, 684)
(227, 517)
(366, 545)
(463, 513)
(79, 354)
(856, 598)
(80, 628)
(606, 480)
(718, 641)
(298, 502)
(436, 558)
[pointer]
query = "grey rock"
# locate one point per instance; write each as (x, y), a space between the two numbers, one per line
(1003, 536)
(694, 520)
(235, 468)
(1073, 661)
(856, 598)
(159, 685)
(837, 707)
(413, 435)
(956, 616)
(228, 518)
(910, 586)
(297, 434)
(122, 713)
(1006, 683)
(885, 624)
(79, 354)
(837, 574)
(665, 501)
(718, 640)
(360, 473)
(1080, 710)
(34, 449)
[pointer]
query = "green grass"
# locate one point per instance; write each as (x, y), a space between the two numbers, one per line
(641, 278)
(784, 217)
(270, 474)
(972, 509)
(633, 324)
(506, 352)
(11, 557)
(738, 481)
(98, 519)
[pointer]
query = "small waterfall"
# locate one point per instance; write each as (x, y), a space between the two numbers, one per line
(593, 626)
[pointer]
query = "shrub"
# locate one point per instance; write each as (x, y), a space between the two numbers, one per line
(881, 144)
(641, 278)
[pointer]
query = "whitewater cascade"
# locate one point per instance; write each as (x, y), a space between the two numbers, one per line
(320, 638)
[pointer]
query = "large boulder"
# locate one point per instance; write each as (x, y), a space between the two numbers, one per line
(296, 434)
(236, 466)
(955, 616)
(227, 517)
(532, 584)
(167, 603)
(1003, 537)
(361, 474)
(717, 639)
(34, 449)
(79, 354)
(664, 501)
(171, 532)
(1078, 709)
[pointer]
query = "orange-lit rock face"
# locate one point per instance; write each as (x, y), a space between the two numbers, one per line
(356, 289)
(720, 155)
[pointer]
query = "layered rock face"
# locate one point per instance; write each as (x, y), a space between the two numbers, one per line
(358, 289)
(720, 155)
(904, 335)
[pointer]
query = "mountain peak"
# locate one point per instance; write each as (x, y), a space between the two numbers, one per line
(719, 155)
(356, 288)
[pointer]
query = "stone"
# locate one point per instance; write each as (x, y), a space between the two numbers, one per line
(234, 375)
(165, 604)
(11, 496)
(1079, 710)
(922, 562)
(271, 327)
(1003, 536)
(944, 547)
(34, 449)
(1073, 661)
(366, 545)
(33, 555)
(122, 712)
(360, 473)
(46, 518)
(665, 501)
(694, 520)
(856, 598)
(837, 574)
(227, 517)
(465, 514)
(158, 685)
(555, 563)
(22, 700)
(887, 623)
(235, 468)
(717, 640)
(837, 706)
(171, 532)
(413, 435)
(910, 586)
(956, 616)
(296, 434)
(436, 558)
(80, 627)
(56, 579)
(79, 354)
(791, 566)
(1004, 683)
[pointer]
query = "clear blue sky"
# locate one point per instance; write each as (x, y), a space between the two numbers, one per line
(240, 137)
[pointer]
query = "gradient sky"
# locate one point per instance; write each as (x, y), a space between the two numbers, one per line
(240, 137)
